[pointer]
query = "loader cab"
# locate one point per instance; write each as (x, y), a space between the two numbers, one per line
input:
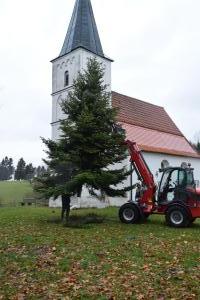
(174, 184)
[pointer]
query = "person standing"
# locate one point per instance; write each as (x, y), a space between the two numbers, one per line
(65, 207)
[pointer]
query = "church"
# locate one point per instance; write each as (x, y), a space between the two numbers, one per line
(147, 124)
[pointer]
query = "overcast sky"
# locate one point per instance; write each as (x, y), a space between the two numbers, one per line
(155, 45)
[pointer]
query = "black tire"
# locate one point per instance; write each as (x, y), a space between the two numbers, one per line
(129, 213)
(192, 220)
(146, 215)
(177, 216)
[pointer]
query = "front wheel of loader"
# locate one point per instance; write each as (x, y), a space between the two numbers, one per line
(129, 213)
(177, 216)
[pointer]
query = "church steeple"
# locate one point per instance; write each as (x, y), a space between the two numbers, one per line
(82, 31)
(81, 43)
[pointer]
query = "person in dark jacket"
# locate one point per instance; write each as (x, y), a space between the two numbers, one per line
(65, 207)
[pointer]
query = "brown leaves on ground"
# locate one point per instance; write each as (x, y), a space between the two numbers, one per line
(100, 261)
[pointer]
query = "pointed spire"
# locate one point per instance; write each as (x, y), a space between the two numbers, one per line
(82, 31)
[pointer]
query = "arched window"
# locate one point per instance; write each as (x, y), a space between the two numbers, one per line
(66, 79)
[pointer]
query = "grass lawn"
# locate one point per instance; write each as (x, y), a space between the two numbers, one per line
(96, 257)
(12, 192)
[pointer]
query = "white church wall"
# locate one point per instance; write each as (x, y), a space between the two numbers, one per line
(55, 131)
(57, 113)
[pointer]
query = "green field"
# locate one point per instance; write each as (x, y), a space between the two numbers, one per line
(95, 257)
(12, 192)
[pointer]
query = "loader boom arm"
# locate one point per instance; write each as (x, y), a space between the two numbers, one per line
(144, 173)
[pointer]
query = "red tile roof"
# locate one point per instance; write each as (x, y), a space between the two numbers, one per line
(151, 127)
(143, 114)
(156, 141)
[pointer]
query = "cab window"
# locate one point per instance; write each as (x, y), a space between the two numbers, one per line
(173, 180)
(164, 180)
(182, 178)
(190, 178)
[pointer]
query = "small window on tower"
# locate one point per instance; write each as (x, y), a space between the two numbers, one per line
(66, 78)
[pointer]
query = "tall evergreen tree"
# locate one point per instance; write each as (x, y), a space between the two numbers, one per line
(10, 167)
(20, 172)
(29, 171)
(40, 170)
(3, 175)
(6, 168)
(90, 145)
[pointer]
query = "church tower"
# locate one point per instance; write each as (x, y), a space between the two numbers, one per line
(81, 43)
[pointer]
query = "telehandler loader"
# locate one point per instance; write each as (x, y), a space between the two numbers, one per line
(177, 196)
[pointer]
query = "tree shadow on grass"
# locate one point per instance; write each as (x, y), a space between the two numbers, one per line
(79, 221)
(82, 221)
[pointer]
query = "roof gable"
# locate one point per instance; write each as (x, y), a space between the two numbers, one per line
(143, 114)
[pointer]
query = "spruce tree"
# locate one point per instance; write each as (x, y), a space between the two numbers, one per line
(90, 144)
(40, 170)
(6, 168)
(20, 172)
(29, 171)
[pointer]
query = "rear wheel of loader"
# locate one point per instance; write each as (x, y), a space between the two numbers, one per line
(129, 213)
(177, 216)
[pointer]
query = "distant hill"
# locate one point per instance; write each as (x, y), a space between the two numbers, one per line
(13, 192)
